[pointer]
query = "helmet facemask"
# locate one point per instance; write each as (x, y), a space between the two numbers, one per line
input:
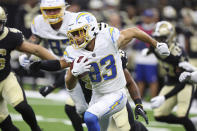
(53, 19)
(85, 27)
(53, 10)
(3, 19)
(81, 33)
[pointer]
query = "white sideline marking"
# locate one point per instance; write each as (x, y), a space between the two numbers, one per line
(63, 95)
(17, 117)
(155, 123)
(157, 129)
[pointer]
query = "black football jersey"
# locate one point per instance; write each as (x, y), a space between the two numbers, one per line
(170, 64)
(9, 40)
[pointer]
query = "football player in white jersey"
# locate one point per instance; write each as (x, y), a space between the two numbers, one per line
(51, 27)
(104, 66)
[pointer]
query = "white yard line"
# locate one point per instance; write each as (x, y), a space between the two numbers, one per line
(63, 95)
(17, 117)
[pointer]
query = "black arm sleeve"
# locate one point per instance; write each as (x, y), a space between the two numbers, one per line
(179, 86)
(50, 65)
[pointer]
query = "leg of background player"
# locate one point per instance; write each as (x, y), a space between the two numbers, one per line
(7, 125)
(135, 125)
(185, 121)
(28, 115)
(60, 81)
(74, 117)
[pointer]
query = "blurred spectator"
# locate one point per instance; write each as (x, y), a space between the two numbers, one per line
(25, 15)
(131, 18)
(96, 7)
(115, 20)
(169, 14)
(74, 7)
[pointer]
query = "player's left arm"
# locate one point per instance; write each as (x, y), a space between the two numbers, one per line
(128, 34)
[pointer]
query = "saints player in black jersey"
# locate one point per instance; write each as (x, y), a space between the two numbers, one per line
(10, 90)
(173, 93)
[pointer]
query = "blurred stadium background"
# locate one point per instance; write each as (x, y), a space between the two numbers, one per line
(118, 13)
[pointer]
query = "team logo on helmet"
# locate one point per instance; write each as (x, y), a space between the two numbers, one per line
(84, 25)
(164, 32)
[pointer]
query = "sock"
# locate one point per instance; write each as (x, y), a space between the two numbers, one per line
(7, 125)
(28, 115)
(172, 119)
(91, 121)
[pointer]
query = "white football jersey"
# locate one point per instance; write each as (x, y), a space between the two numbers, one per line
(106, 72)
(57, 39)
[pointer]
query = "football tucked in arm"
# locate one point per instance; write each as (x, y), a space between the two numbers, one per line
(79, 60)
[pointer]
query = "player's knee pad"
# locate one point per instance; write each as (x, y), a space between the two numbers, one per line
(7, 125)
(90, 119)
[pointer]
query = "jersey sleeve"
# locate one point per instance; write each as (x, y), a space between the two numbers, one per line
(34, 26)
(67, 54)
(17, 37)
(114, 35)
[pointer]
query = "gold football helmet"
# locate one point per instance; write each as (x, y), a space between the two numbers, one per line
(3, 19)
(164, 32)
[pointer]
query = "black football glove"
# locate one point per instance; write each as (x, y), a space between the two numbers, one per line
(140, 111)
(44, 91)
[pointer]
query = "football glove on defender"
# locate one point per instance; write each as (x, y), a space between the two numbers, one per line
(23, 60)
(140, 111)
(162, 50)
(44, 91)
(157, 101)
(185, 76)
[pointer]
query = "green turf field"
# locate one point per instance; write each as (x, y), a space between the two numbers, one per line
(51, 117)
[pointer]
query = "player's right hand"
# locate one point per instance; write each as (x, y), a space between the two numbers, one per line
(185, 76)
(162, 49)
(23, 60)
(44, 91)
(80, 67)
